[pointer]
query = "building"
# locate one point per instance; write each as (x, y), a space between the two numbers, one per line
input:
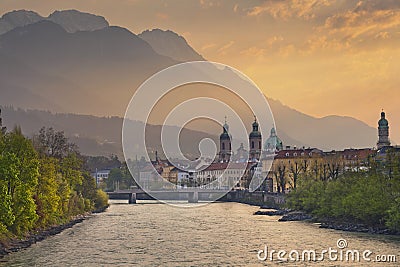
(242, 155)
(2, 128)
(255, 140)
(101, 175)
(225, 146)
(383, 131)
(221, 175)
(273, 143)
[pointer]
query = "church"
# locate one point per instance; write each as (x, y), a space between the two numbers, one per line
(255, 145)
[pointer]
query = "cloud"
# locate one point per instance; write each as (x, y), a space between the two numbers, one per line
(162, 16)
(235, 8)
(208, 46)
(286, 9)
(362, 23)
(223, 50)
(255, 52)
(274, 39)
(209, 3)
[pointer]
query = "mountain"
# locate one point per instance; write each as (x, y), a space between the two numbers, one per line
(96, 71)
(96, 135)
(330, 132)
(70, 20)
(170, 44)
(79, 72)
(73, 20)
(18, 18)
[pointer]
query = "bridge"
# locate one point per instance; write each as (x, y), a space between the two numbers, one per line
(193, 195)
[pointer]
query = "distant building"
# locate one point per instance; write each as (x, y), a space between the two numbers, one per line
(273, 143)
(255, 140)
(101, 175)
(383, 132)
(242, 155)
(225, 147)
(2, 128)
(221, 175)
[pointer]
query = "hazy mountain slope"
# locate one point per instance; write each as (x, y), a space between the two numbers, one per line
(18, 18)
(331, 132)
(73, 20)
(70, 20)
(88, 68)
(170, 44)
(95, 135)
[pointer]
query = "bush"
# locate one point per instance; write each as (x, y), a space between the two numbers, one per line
(101, 199)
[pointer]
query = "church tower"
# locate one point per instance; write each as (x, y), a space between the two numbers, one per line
(383, 131)
(255, 142)
(225, 149)
(2, 129)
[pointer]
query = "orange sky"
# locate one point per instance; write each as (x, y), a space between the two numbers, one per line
(320, 57)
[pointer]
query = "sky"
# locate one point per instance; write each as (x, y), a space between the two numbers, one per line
(321, 57)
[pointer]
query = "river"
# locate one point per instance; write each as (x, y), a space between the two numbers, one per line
(219, 234)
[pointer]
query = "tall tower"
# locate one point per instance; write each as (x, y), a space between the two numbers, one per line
(255, 142)
(383, 131)
(225, 149)
(2, 129)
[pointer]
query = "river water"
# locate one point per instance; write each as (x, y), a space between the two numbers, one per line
(219, 234)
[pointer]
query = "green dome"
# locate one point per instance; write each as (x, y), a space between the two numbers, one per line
(383, 121)
(273, 142)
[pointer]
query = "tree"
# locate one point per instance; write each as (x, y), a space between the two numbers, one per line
(21, 176)
(53, 143)
(115, 178)
(295, 169)
(47, 198)
(280, 176)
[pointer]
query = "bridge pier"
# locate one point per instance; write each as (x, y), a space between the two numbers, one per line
(193, 197)
(132, 198)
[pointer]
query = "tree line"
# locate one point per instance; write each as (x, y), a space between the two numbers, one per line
(370, 197)
(43, 182)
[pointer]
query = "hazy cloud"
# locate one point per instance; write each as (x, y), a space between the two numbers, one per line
(286, 9)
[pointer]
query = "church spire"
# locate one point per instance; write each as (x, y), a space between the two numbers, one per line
(383, 131)
(225, 149)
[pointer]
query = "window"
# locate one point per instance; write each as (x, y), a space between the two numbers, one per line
(287, 154)
(223, 146)
(259, 144)
(252, 144)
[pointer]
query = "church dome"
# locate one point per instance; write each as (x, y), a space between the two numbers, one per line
(273, 142)
(383, 121)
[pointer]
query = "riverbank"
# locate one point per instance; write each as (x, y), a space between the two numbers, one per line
(288, 216)
(14, 244)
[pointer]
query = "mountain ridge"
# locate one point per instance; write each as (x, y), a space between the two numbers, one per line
(96, 72)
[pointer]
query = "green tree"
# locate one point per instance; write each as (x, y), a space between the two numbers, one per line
(47, 198)
(22, 180)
